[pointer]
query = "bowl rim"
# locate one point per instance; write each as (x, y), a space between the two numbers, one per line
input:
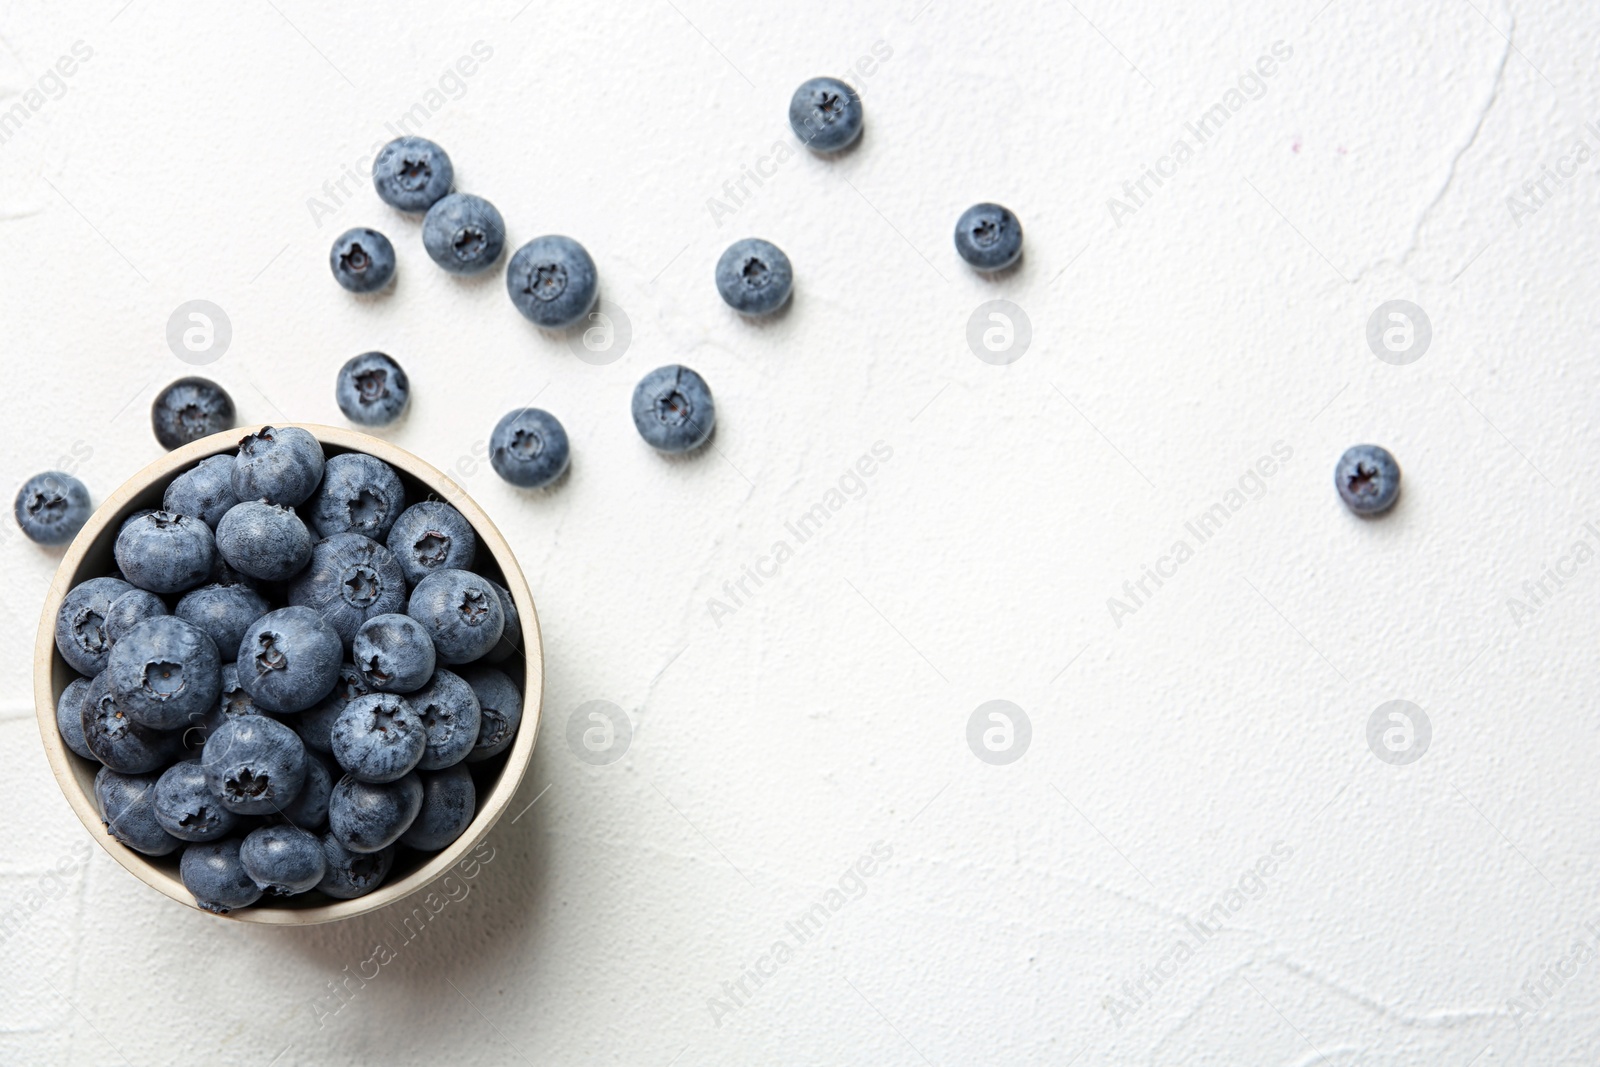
(109, 515)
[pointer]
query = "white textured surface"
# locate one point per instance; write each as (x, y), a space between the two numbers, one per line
(828, 712)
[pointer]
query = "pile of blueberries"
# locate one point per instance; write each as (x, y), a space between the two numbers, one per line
(291, 676)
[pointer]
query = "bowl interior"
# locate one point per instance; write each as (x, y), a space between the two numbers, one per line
(496, 779)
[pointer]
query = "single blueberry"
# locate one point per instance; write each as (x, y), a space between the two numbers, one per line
(278, 466)
(393, 653)
(412, 173)
(315, 724)
(309, 809)
(129, 610)
(511, 636)
(204, 491)
(378, 738)
(754, 276)
(988, 237)
(464, 233)
(461, 612)
(165, 671)
(189, 409)
(673, 410)
(528, 448)
(81, 624)
(362, 260)
(353, 874)
(351, 578)
(369, 816)
(449, 801)
(186, 808)
(372, 389)
(449, 712)
(283, 860)
(289, 659)
(233, 701)
(214, 875)
(265, 541)
(432, 536)
(500, 706)
(552, 281)
(359, 494)
(51, 507)
(224, 612)
(254, 764)
(165, 552)
(69, 717)
(1368, 479)
(127, 805)
(115, 739)
(825, 114)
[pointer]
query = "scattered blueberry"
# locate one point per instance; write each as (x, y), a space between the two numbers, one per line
(165, 673)
(461, 612)
(224, 612)
(51, 507)
(464, 233)
(189, 409)
(432, 536)
(289, 659)
(825, 114)
(754, 276)
(283, 860)
(359, 494)
(204, 491)
(372, 390)
(449, 802)
(254, 764)
(278, 466)
(81, 623)
(449, 712)
(673, 410)
(315, 724)
(114, 739)
(69, 717)
(511, 636)
(165, 552)
(127, 805)
(1368, 479)
(393, 653)
(351, 578)
(378, 738)
(500, 705)
(353, 874)
(412, 173)
(212, 872)
(988, 237)
(368, 816)
(362, 260)
(264, 541)
(309, 809)
(129, 610)
(186, 809)
(552, 281)
(528, 448)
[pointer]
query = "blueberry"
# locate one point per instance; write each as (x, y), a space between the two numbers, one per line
(165, 552)
(233, 701)
(393, 653)
(265, 541)
(165, 673)
(212, 872)
(315, 724)
(69, 717)
(449, 712)
(362, 260)
(127, 805)
(283, 860)
(511, 636)
(189, 409)
(372, 390)
(81, 623)
(204, 491)
(449, 802)
(186, 809)
(825, 114)
(464, 233)
(1368, 479)
(368, 816)
(432, 536)
(224, 612)
(289, 659)
(673, 410)
(309, 809)
(528, 447)
(359, 494)
(500, 705)
(754, 276)
(351, 578)
(278, 466)
(378, 738)
(988, 237)
(412, 173)
(461, 612)
(114, 739)
(129, 610)
(51, 507)
(552, 281)
(353, 874)
(254, 764)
